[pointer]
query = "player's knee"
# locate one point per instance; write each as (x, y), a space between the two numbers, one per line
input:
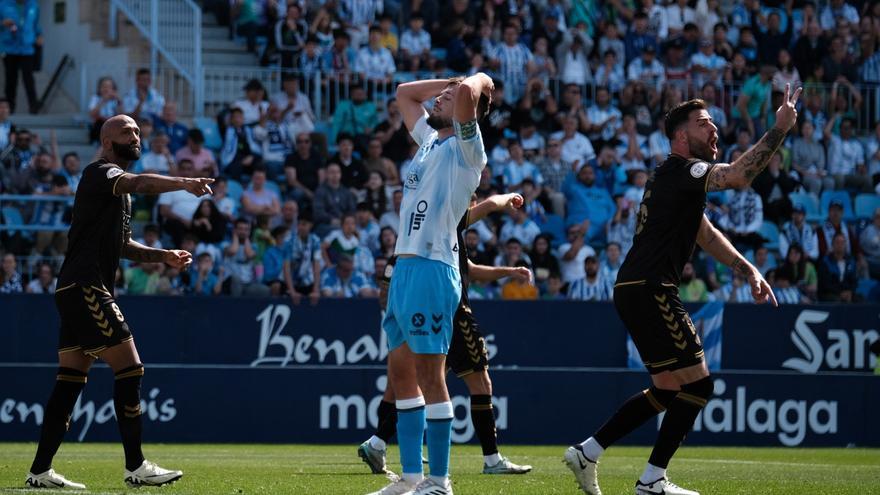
(134, 371)
(699, 392)
(660, 398)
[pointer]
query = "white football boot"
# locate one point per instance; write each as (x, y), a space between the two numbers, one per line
(585, 470)
(149, 474)
(430, 487)
(662, 487)
(51, 479)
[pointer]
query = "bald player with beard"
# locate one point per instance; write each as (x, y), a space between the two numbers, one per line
(92, 326)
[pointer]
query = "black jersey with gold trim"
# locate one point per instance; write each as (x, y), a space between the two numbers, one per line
(669, 218)
(100, 227)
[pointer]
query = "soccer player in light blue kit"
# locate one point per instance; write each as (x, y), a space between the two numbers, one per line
(426, 286)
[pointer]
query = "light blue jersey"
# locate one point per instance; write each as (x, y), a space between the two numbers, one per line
(437, 191)
(425, 290)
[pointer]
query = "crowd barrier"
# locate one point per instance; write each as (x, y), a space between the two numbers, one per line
(261, 370)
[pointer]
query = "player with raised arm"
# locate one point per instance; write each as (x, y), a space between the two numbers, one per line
(92, 326)
(467, 358)
(670, 221)
(426, 288)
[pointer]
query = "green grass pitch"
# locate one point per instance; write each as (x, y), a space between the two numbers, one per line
(311, 469)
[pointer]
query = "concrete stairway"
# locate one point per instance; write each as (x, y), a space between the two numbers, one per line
(70, 130)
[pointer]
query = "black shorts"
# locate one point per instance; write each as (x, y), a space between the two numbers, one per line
(90, 320)
(659, 325)
(467, 352)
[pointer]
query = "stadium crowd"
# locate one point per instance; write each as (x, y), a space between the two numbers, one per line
(575, 127)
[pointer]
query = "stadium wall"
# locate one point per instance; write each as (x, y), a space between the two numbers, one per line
(255, 370)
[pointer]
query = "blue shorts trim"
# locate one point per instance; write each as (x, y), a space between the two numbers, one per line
(422, 300)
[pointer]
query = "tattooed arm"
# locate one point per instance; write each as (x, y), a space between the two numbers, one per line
(157, 184)
(752, 162)
(713, 242)
(136, 251)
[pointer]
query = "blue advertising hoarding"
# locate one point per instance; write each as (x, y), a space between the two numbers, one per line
(271, 372)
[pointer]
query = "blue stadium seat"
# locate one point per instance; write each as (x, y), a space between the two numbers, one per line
(810, 204)
(555, 226)
(866, 203)
(235, 189)
(842, 196)
(12, 217)
(273, 186)
(438, 53)
(770, 232)
(213, 139)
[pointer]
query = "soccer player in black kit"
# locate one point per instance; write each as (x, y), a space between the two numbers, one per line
(670, 221)
(92, 326)
(467, 358)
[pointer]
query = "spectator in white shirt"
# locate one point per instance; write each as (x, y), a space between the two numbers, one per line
(658, 23)
(294, 105)
(254, 103)
(573, 253)
(374, 62)
(610, 73)
(611, 41)
(143, 101)
(745, 215)
(706, 65)
(593, 286)
(872, 152)
(677, 15)
(647, 69)
(633, 147)
(658, 144)
(44, 282)
(521, 227)
(799, 232)
(177, 208)
(634, 193)
(514, 63)
(604, 118)
(846, 157)
(519, 169)
(158, 160)
(838, 9)
(575, 146)
(415, 44)
(574, 68)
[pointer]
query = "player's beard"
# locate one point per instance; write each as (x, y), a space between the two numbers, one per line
(127, 151)
(437, 122)
(701, 150)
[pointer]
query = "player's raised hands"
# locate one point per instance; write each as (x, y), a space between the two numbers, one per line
(199, 186)
(786, 115)
(178, 258)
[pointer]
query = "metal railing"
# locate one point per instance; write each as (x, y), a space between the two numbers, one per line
(174, 30)
(166, 80)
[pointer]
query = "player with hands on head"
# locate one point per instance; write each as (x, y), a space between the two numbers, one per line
(468, 356)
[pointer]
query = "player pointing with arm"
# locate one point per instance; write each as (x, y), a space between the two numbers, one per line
(426, 287)
(92, 326)
(670, 222)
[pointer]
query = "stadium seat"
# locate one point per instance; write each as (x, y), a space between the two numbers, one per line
(810, 204)
(770, 232)
(208, 126)
(11, 216)
(235, 189)
(842, 196)
(273, 186)
(555, 226)
(866, 203)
